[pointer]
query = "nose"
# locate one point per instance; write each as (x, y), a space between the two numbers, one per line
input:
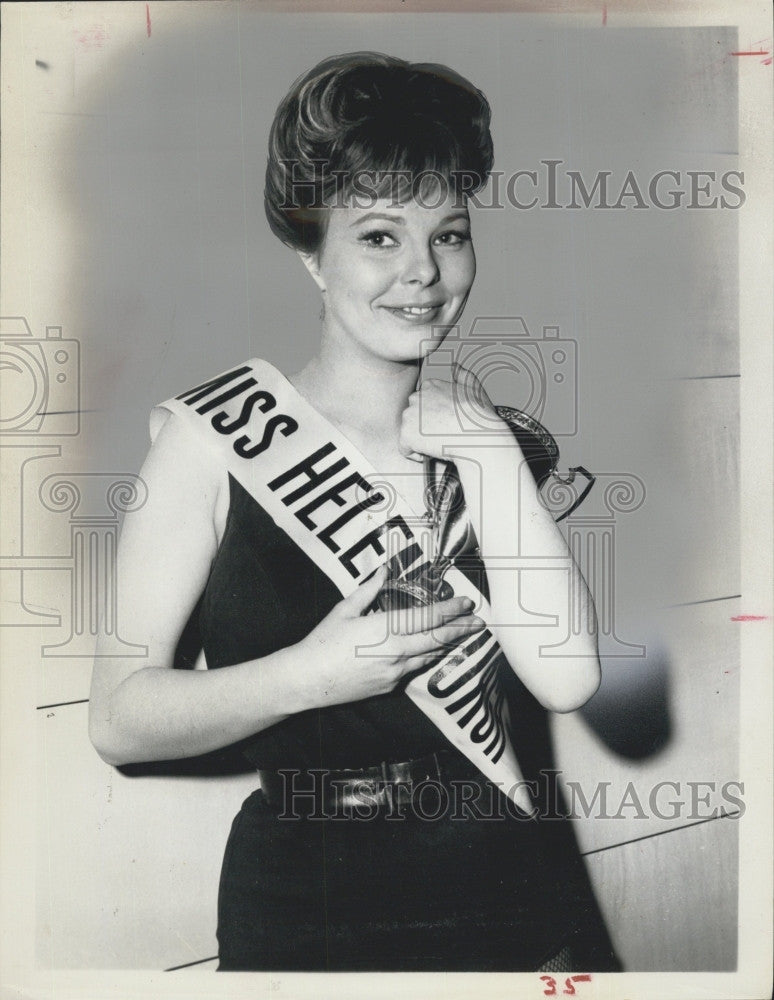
(420, 267)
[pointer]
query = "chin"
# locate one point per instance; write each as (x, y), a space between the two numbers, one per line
(431, 334)
(423, 346)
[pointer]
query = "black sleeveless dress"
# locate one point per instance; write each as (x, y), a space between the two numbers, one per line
(455, 893)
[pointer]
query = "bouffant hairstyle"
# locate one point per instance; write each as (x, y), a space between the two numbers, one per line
(364, 122)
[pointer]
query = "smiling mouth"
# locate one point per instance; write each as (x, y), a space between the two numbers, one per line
(414, 312)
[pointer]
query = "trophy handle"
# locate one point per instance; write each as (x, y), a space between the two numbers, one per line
(542, 453)
(567, 481)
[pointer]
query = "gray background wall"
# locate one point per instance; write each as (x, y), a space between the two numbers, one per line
(141, 233)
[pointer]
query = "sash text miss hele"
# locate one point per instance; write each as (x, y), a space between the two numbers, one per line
(471, 693)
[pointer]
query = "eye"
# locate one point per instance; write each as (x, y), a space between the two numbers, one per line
(378, 238)
(452, 238)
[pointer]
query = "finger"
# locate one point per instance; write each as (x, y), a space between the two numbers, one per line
(454, 632)
(405, 449)
(422, 619)
(356, 603)
(441, 638)
(469, 385)
(428, 632)
(453, 606)
(461, 374)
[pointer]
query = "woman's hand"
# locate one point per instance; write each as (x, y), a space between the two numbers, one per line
(351, 655)
(441, 414)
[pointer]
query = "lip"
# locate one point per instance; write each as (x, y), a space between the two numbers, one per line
(427, 315)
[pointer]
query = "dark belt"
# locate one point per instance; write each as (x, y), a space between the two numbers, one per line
(334, 792)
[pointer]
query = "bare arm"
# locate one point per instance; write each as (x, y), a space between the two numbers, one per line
(141, 710)
(510, 522)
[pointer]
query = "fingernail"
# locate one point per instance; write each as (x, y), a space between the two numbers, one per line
(467, 603)
(476, 621)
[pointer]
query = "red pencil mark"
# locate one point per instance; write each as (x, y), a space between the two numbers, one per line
(147, 19)
(569, 990)
(760, 51)
(93, 38)
(604, 14)
(750, 618)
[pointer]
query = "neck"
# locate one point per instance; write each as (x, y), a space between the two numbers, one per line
(361, 392)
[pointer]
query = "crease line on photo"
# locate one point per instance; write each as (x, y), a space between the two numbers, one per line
(705, 600)
(661, 833)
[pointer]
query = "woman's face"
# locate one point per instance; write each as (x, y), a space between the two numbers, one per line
(394, 278)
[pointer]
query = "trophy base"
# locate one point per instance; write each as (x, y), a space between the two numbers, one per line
(399, 595)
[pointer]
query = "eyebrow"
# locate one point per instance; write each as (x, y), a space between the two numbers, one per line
(399, 220)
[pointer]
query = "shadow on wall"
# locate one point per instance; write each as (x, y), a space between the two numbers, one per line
(177, 274)
(630, 711)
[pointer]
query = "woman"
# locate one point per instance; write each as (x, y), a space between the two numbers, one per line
(335, 863)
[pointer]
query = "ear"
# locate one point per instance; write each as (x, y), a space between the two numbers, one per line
(311, 262)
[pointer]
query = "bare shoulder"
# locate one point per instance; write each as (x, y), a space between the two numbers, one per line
(167, 546)
(177, 455)
(184, 482)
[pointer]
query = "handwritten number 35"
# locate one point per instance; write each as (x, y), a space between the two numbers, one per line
(569, 989)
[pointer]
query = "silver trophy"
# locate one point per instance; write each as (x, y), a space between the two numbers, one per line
(451, 533)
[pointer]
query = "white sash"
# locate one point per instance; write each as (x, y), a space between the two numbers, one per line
(319, 488)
